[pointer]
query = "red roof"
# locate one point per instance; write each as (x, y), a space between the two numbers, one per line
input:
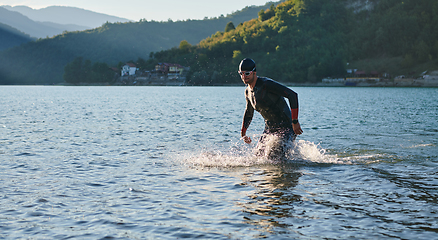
(131, 64)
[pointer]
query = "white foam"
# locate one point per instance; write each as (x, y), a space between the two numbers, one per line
(312, 152)
(421, 145)
(218, 159)
(245, 155)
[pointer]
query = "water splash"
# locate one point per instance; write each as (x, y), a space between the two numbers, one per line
(300, 152)
(309, 151)
(227, 159)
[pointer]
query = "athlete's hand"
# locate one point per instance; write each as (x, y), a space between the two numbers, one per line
(297, 128)
(247, 139)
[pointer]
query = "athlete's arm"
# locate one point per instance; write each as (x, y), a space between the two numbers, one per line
(286, 92)
(247, 118)
(292, 97)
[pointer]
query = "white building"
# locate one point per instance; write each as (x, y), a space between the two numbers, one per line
(129, 69)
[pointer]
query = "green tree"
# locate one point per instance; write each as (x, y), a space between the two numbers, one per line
(101, 73)
(184, 46)
(200, 78)
(141, 63)
(79, 71)
(87, 72)
(265, 15)
(423, 52)
(73, 71)
(237, 57)
(229, 27)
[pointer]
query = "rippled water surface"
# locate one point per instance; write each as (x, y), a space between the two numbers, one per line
(167, 163)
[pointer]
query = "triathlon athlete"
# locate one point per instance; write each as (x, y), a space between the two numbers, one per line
(267, 97)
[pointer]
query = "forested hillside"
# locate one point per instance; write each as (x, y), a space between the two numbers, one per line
(306, 40)
(10, 37)
(296, 41)
(43, 61)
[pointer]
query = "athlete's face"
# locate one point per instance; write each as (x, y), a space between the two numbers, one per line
(247, 76)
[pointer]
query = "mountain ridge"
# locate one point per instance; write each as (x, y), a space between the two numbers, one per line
(34, 28)
(66, 15)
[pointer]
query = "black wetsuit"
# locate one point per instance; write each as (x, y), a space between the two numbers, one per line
(268, 98)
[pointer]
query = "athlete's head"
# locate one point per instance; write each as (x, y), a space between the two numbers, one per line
(247, 65)
(247, 71)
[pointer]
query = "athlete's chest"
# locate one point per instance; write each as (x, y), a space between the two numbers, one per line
(260, 98)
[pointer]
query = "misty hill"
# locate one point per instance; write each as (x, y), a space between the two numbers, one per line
(34, 29)
(43, 61)
(66, 16)
(10, 37)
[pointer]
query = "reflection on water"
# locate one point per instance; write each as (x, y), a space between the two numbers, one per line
(274, 199)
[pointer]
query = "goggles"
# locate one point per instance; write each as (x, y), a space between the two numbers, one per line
(246, 73)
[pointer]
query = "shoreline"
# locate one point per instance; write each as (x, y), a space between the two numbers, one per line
(417, 83)
(289, 84)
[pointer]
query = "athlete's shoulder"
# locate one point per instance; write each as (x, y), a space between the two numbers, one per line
(264, 79)
(270, 82)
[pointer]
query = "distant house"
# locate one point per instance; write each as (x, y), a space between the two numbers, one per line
(171, 70)
(175, 70)
(162, 67)
(129, 69)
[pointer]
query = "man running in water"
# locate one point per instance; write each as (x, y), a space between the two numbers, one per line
(267, 97)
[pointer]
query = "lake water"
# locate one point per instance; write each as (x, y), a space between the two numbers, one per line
(168, 163)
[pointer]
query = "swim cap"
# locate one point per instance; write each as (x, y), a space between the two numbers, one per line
(247, 64)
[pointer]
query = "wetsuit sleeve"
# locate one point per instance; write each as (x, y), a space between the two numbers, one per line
(286, 92)
(247, 116)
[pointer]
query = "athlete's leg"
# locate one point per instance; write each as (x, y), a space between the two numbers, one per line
(261, 145)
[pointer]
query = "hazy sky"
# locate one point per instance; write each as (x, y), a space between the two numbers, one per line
(159, 10)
